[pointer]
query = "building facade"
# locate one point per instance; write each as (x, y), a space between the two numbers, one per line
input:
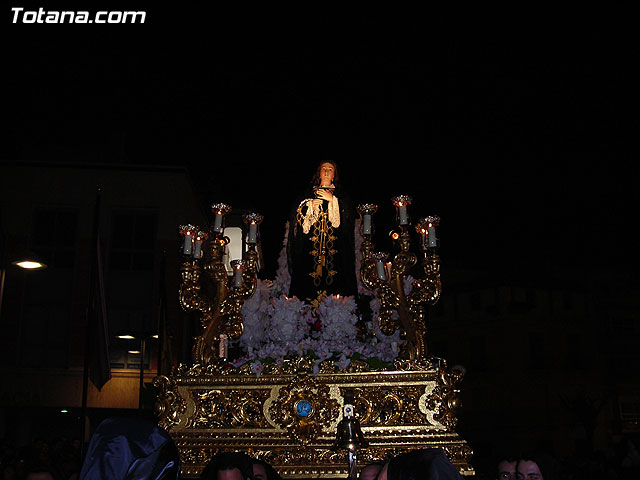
(50, 210)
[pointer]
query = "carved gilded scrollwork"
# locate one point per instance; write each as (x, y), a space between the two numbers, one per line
(444, 400)
(304, 408)
(389, 406)
(266, 416)
(232, 408)
(170, 405)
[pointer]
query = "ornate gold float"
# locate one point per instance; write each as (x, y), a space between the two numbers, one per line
(289, 413)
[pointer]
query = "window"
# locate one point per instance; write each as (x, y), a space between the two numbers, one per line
(576, 355)
(45, 337)
(54, 235)
(475, 301)
(478, 353)
(125, 353)
(537, 357)
(133, 236)
(567, 300)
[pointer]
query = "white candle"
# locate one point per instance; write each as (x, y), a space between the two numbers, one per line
(224, 346)
(237, 276)
(402, 215)
(433, 241)
(188, 242)
(253, 233)
(387, 269)
(382, 275)
(197, 247)
(424, 237)
(366, 224)
(217, 223)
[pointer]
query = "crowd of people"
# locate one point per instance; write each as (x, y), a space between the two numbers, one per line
(622, 463)
(429, 463)
(126, 448)
(41, 460)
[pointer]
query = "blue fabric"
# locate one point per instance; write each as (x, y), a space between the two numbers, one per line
(130, 449)
(424, 464)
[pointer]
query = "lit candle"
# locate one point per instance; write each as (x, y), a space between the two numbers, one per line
(367, 210)
(217, 222)
(402, 215)
(387, 269)
(197, 247)
(366, 224)
(219, 211)
(433, 241)
(253, 233)
(380, 257)
(432, 222)
(237, 272)
(401, 203)
(252, 220)
(424, 236)
(188, 243)
(382, 274)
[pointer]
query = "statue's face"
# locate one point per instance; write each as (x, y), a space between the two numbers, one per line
(327, 172)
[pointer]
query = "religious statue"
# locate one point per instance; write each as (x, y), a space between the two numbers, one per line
(321, 243)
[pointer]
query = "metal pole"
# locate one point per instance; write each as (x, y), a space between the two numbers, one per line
(3, 272)
(143, 342)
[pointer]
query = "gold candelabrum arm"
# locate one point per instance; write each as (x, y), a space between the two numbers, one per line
(398, 309)
(231, 307)
(192, 298)
(213, 294)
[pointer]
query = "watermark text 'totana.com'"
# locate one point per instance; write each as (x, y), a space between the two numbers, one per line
(20, 15)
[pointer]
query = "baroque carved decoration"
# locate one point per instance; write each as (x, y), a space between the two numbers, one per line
(304, 408)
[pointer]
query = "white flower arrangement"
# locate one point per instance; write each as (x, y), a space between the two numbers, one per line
(277, 327)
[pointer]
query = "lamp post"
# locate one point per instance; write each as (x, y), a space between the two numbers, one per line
(29, 262)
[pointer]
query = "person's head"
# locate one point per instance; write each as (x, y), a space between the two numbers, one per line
(326, 174)
(259, 472)
(539, 466)
(8, 472)
(507, 469)
(230, 473)
(370, 472)
(228, 466)
(427, 463)
(263, 471)
(382, 474)
(39, 474)
(528, 470)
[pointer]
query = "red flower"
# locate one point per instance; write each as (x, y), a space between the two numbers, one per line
(317, 325)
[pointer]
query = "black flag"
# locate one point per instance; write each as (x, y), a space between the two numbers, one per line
(97, 324)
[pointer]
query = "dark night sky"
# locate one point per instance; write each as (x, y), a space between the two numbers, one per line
(514, 131)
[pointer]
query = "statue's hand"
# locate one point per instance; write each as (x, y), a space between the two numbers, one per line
(324, 194)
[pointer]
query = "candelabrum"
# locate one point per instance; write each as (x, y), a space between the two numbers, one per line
(207, 288)
(387, 277)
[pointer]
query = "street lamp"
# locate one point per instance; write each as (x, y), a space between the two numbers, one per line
(28, 262)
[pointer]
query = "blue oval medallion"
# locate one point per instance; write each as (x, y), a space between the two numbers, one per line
(303, 408)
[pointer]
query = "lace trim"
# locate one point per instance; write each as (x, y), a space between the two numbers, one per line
(313, 214)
